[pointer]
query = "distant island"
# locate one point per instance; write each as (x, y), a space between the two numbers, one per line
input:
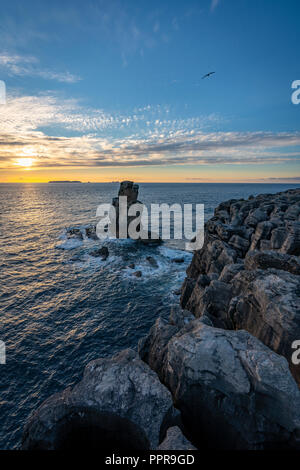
(65, 181)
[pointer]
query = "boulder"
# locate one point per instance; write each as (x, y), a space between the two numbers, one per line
(138, 274)
(272, 259)
(102, 253)
(233, 392)
(91, 232)
(152, 261)
(74, 233)
(267, 305)
(175, 440)
(119, 405)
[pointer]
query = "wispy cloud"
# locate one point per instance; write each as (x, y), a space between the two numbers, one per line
(214, 4)
(17, 65)
(149, 138)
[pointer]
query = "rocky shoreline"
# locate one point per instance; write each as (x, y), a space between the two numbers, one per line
(219, 374)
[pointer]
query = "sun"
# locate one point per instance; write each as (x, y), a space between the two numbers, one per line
(24, 162)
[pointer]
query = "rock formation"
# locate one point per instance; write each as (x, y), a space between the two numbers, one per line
(233, 392)
(130, 190)
(175, 440)
(247, 275)
(119, 405)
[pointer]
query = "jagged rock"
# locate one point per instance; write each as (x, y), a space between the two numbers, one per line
(263, 231)
(259, 295)
(265, 245)
(129, 190)
(230, 271)
(233, 392)
(240, 244)
(175, 440)
(177, 292)
(291, 244)
(91, 232)
(255, 217)
(102, 252)
(119, 404)
(186, 291)
(152, 261)
(277, 238)
(137, 273)
(268, 306)
(180, 317)
(272, 259)
(74, 233)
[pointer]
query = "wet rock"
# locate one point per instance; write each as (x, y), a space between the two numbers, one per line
(240, 244)
(277, 238)
(177, 292)
(74, 233)
(233, 392)
(186, 291)
(119, 404)
(131, 266)
(178, 260)
(102, 253)
(267, 305)
(91, 233)
(291, 244)
(152, 261)
(175, 440)
(129, 190)
(272, 259)
(180, 317)
(137, 273)
(230, 271)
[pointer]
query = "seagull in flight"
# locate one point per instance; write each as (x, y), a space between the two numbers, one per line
(208, 74)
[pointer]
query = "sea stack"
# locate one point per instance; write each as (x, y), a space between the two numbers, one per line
(130, 190)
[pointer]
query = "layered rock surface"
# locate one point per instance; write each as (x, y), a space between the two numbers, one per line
(247, 275)
(233, 392)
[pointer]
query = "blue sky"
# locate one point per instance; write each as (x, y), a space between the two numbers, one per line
(104, 90)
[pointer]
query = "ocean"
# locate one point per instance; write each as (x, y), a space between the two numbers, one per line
(62, 307)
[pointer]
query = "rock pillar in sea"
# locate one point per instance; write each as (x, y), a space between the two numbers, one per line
(127, 196)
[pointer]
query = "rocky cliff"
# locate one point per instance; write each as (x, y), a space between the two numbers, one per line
(247, 275)
(237, 389)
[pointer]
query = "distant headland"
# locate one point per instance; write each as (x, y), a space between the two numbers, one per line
(65, 181)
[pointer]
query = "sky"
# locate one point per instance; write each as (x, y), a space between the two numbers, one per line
(107, 90)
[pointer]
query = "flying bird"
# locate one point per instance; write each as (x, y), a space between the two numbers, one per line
(208, 74)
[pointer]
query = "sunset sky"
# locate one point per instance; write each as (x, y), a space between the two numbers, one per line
(112, 90)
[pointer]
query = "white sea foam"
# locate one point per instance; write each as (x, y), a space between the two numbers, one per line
(70, 244)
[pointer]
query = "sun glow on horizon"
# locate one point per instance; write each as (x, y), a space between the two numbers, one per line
(25, 162)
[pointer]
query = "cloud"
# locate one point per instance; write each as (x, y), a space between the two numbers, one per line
(16, 65)
(214, 4)
(63, 133)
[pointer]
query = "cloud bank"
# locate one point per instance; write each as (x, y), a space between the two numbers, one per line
(62, 133)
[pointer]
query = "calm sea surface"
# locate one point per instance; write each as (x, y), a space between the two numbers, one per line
(61, 307)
